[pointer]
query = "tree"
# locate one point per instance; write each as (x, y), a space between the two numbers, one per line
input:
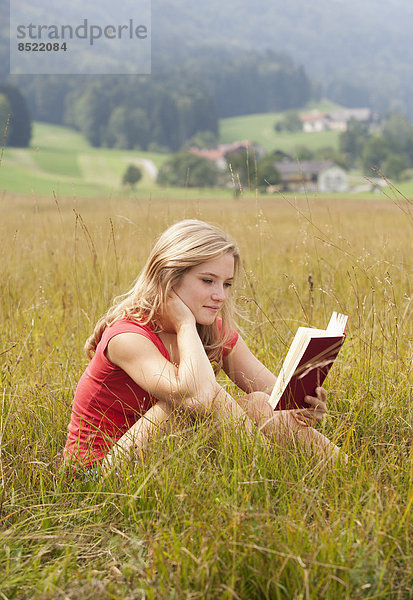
(132, 175)
(280, 155)
(46, 96)
(290, 122)
(398, 132)
(390, 151)
(187, 170)
(196, 113)
(267, 172)
(349, 94)
(89, 112)
(375, 152)
(127, 129)
(250, 82)
(352, 140)
(394, 165)
(303, 153)
(329, 153)
(140, 130)
(250, 171)
(165, 117)
(118, 129)
(203, 139)
(20, 123)
(5, 113)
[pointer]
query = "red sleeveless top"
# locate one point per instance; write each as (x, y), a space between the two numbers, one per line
(107, 401)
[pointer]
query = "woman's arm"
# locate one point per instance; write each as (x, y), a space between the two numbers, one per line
(250, 375)
(285, 426)
(191, 384)
(246, 371)
(154, 421)
(142, 361)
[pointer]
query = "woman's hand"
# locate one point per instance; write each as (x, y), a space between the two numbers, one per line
(316, 412)
(177, 312)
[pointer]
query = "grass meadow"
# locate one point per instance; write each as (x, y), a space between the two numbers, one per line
(206, 517)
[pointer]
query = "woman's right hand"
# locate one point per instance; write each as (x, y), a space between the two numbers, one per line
(177, 312)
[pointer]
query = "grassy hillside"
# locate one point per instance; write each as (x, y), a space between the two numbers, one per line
(60, 161)
(260, 128)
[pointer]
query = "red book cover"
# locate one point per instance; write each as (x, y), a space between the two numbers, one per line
(311, 371)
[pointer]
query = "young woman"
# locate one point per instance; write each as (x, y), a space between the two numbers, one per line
(158, 348)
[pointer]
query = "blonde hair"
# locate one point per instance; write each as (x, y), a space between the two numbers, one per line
(185, 245)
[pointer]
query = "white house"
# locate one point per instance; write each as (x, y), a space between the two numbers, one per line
(332, 179)
(314, 122)
(337, 120)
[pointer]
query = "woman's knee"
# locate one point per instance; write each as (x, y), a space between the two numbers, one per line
(258, 397)
(257, 406)
(195, 407)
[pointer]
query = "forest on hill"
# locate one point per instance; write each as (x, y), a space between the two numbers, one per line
(165, 110)
(231, 59)
(359, 51)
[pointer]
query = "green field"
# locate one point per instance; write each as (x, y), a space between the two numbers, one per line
(205, 517)
(60, 160)
(260, 129)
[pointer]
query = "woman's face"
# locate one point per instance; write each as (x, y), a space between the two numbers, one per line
(205, 288)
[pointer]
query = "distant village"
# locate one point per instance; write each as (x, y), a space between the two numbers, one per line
(304, 175)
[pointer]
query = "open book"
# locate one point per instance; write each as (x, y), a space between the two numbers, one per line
(307, 363)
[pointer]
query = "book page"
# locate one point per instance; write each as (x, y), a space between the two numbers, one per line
(337, 324)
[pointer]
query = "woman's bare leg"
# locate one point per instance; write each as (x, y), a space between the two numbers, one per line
(286, 427)
(222, 408)
(162, 418)
(282, 426)
(154, 422)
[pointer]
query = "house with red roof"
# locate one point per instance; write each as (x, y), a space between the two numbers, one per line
(336, 120)
(220, 154)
